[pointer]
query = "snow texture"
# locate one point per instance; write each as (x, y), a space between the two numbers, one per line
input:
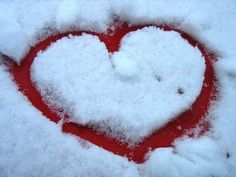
(31, 145)
(130, 94)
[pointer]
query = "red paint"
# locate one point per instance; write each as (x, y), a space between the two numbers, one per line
(160, 138)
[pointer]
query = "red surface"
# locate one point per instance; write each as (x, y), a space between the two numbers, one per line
(160, 138)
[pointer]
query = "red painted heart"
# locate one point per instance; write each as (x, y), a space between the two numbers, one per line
(164, 137)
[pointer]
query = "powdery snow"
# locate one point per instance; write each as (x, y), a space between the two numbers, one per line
(31, 145)
(129, 94)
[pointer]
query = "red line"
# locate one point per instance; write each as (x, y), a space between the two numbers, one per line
(160, 138)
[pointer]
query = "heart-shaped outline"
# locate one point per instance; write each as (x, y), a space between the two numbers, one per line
(164, 137)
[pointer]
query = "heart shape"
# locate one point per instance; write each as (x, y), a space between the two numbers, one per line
(124, 93)
(161, 138)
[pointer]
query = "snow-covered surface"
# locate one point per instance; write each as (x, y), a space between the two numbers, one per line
(31, 145)
(129, 93)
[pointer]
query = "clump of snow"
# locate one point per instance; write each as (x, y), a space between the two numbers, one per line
(125, 96)
(192, 157)
(13, 40)
(124, 67)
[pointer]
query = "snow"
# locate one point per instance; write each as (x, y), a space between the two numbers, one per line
(67, 13)
(125, 68)
(10, 27)
(31, 145)
(125, 98)
(192, 157)
(83, 14)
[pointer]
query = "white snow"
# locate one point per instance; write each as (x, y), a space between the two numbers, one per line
(125, 68)
(132, 97)
(84, 14)
(31, 145)
(192, 157)
(16, 45)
